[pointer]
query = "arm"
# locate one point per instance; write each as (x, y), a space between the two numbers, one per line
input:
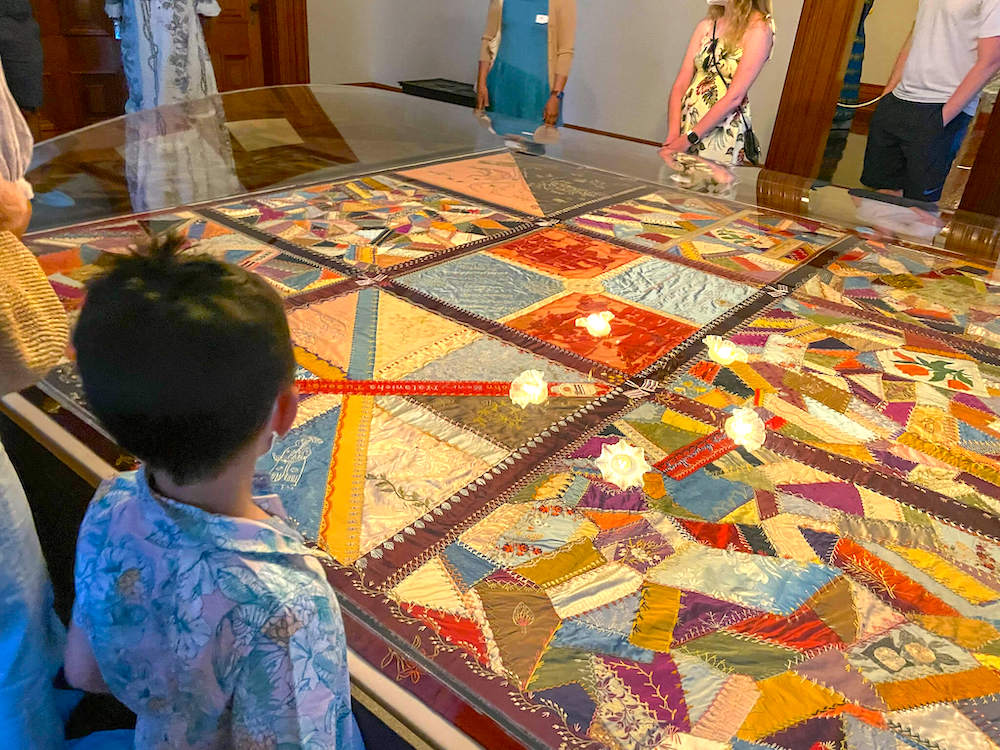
(487, 52)
(684, 77)
(757, 44)
(897, 70)
(81, 667)
(564, 27)
(985, 68)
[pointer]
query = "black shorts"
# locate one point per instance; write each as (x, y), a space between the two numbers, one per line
(911, 149)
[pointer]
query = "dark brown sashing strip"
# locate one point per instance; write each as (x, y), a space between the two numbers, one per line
(279, 242)
(936, 504)
(433, 259)
(981, 351)
(376, 631)
(663, 253)
(384, 565)
(506, 333)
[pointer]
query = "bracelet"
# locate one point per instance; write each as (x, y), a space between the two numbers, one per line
(558, 95)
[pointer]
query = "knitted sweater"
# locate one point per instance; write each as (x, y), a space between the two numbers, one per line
(33, 327)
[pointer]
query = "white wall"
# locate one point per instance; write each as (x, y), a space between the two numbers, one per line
(885, 31)
(627, 53)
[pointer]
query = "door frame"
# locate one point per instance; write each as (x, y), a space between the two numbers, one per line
(809, 100)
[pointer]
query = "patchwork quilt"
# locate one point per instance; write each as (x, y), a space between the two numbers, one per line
(829, 581)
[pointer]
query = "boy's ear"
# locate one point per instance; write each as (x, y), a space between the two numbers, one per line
(286, 406)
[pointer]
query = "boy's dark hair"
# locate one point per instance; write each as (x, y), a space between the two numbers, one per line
(182, 357)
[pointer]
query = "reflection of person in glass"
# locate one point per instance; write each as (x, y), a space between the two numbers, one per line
(163, 50)
(708, 111)
(951, 54)
(525, 59)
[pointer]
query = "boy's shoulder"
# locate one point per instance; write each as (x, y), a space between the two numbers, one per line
(111, 495)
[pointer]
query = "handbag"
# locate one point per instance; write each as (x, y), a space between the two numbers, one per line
(751, 144)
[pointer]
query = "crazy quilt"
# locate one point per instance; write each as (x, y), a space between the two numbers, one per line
(71, 257)
(357, 469)
(532, 185)
(881, 396)
(380, 220)
(546, 282)
(759, 603)
(947, 294)
(833, 580)
(755, 244)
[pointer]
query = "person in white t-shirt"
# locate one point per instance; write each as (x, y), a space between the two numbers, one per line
(951, 54)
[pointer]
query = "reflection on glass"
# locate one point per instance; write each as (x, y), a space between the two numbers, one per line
(177, 155)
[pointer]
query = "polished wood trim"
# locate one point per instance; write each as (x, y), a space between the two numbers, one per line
(982, 191)
(619, 136)
(374, 85)
(285, 35)
(813, 83)
(783, 192)
(863, 117)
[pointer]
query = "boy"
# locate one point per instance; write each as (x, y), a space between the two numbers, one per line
(197, 605)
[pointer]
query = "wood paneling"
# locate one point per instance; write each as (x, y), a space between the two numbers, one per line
(234, 43)
(83, 79)
(815, 78)
(285, 41)
(982, 191)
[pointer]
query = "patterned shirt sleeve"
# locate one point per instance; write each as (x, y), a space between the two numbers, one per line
(293, 688)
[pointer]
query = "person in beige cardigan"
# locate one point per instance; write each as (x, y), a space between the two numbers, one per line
(525, 58)
(33, 337)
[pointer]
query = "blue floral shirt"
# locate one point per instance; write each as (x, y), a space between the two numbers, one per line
(217, 632)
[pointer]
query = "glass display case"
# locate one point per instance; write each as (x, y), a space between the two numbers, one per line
(612, 564)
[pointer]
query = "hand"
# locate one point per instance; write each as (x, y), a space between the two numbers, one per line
(676, 145)
(15, 209)
(551, 114)
(948, 113)
(482, 98)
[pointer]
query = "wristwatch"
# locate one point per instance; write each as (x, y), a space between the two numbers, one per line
(693, 138)
(558, 94)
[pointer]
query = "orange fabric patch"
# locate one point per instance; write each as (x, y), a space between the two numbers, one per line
(803, 630)
(891, 586)
(60, 262)
(941, 688)
(612, 520)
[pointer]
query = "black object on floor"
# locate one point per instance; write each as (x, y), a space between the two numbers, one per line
(443, 90)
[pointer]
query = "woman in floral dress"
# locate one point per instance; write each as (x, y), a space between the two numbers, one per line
(708, 112)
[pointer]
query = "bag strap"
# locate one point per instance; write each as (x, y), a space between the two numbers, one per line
(715, 64)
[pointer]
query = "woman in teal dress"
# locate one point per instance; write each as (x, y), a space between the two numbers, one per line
(524, 62)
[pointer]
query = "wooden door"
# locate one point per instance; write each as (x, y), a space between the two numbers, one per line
(83, 79)
(234, 41)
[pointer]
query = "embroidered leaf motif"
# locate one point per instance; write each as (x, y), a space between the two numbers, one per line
(523, 617)
(939, 370)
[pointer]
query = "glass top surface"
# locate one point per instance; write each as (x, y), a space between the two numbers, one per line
(463, 261)
(260, 139)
